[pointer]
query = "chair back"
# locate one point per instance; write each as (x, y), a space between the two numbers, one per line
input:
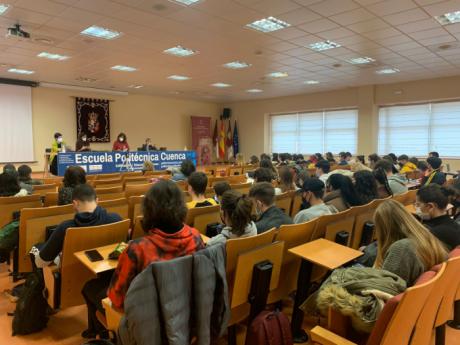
(51, 199)
(135, 206)
(284, 201)
(115, 182)
(42, 189)
(323, 221)
(345, 224)
(11, 204)
(235, 179)
(363, 214)
(108, 176)
(296, 203)
(446, 308)
(129, 174)
(49, 180)
(400, 197)
(134, 180)
(243, 188)
(108, 190)
(32, 229)
(410, 197)
(73, 276)
(119, 206)
(232, 171)
(137, 189)
(200, 217)
(138, 230)
(292, 235)
(156, 173)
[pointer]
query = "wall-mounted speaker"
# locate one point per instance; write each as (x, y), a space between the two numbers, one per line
(226, 113)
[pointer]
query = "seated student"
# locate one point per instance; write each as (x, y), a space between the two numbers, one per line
(433, 154)
(312, 194)
(166, 237)
(235, 211)
(265, 175)
(88, 213)
(254, 160)
(197, 183)
(396, 166)
(74, 176)
(186, 169)
(422, 166)
(431, 207)
(11, 169)
(287, 180)
(341, 193)
(435, 176)
(383, 187)
(330, 158)
(397, 183)
(220, 188)
(267, 163)
(404, 246)
(373, 159)
(9, 185)
(365, 186)
(270, 216)
(323, 169)
(405, 165)
(24, 172)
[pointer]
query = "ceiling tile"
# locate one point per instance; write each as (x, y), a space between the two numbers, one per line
(330, 7)
(443, 7)
(299, 16)
(351, 17)
(318, 26)
(368, 25)
(391, 6)
(406, 17)
(274, 7)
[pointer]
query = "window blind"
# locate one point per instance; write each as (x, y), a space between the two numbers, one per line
(324, 131)
(418, 129)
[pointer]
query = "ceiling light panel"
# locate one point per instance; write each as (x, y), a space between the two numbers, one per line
(311, 82)
(254, 91)
(178, 77)
(277, 75)
(99, 32)
(180, 51)
(389, 70)
(237, 65)
(221, 85)
(269, 24)
(361, 60)
(324, 45)
(20, 71)
(449, 18)
(52, 56)
(185, 2)
(4, 8)
(136, 86)
(123, 68)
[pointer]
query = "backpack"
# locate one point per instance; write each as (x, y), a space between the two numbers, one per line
(30, 315)
(270, 328)
(9, 236)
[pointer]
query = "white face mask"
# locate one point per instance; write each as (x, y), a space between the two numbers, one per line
(84, 138)
(121, 140)
(421, 215)
(59, 140)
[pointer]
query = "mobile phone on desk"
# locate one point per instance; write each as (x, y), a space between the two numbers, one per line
(93, 255)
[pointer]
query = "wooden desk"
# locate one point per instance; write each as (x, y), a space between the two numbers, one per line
(413, 185)
(99, 266)
(320, 252)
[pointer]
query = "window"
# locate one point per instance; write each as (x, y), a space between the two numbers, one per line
(323, 131)
(418, 129)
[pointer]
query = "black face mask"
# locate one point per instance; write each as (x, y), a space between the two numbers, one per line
(305, 203)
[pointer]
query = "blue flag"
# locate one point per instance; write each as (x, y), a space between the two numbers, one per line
(235, 140)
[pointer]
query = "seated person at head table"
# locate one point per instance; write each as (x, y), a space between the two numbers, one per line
(397, 183)
(82, 144)
(166, 237)
(431, 207)
(269, 215)
(88, 213)
(57, 146)
(404, 246)
(197, 183)
(435, 176)
(340, 192)
(186, 169)
(74, 176)
(406, 165)
(24, 172)
(147, 146)
(219, 189)
(312, 195)
(235, 211)
(11, 169)
(121, 144)
(9, 185)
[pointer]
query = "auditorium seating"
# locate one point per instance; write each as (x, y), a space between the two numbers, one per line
(9, 205)
(42, 189)
(284, 202)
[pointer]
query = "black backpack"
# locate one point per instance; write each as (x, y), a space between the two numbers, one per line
(30, 315)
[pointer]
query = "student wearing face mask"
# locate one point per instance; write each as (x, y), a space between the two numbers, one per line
(312, 194)
(269, 216)
(82, 144)
(121, 144)
(58, 145)
(431, 207)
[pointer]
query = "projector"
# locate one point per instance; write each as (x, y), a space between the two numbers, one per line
(17, 33)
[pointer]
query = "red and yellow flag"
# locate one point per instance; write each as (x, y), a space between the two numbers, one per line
(222, 140)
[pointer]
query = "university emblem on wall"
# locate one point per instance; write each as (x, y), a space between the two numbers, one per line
(93, 119)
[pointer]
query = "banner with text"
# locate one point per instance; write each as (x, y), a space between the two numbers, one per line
(201, 139)
(113, 162)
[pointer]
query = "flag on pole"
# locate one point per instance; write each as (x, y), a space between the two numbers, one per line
(229, 141)
(222, 140)
(215, 140)
(236, 145)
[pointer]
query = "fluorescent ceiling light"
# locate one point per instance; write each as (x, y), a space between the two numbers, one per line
(449, 18)
(20, 71)
(254, 90)
(325, 45)
(237, 65)
(268, 24)
(180, 51)
(387, 71)
(4, 8)
(98, 32)
(178, 77)
(123, 68)
(52, 56)
(361, 60)
(220, 85)
(311, 82)
(135, 86)
(186, 2)
(277, 75)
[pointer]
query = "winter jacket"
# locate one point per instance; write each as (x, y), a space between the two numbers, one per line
(226, 234)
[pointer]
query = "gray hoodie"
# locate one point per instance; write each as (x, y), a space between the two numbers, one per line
(397, 184)
(226, 234)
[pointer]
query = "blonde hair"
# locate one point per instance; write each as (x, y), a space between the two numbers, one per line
(393, 223)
